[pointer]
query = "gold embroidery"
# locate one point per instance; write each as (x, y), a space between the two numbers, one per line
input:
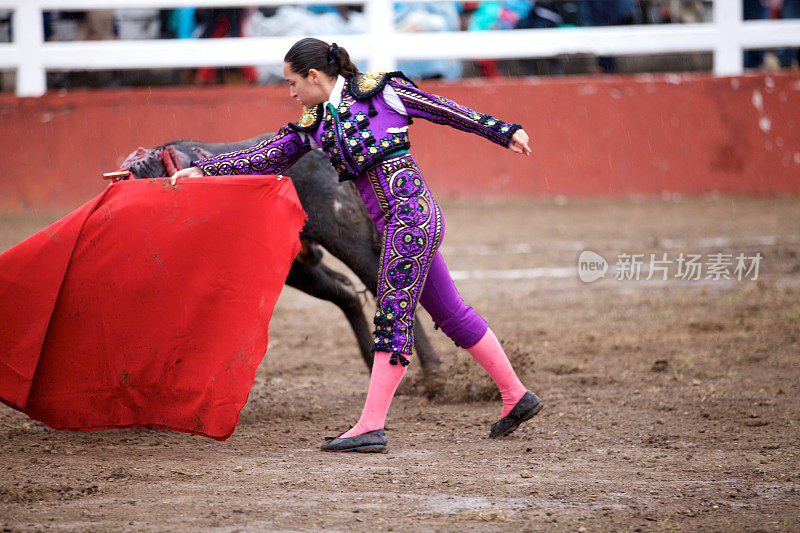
(367, 82)
(378, 190)
(308, 118)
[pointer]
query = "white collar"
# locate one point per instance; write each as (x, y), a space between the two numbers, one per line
(336, 94)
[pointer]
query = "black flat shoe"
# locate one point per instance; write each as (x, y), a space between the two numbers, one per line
(370, 442)
(526, 408)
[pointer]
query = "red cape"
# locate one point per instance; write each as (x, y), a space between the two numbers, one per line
(149, 305)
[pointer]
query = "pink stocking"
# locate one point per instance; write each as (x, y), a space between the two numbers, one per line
(492, 358)
(382, 384)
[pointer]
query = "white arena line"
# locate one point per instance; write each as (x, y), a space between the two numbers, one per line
(709, 242)
(569, 272)
(515, 273)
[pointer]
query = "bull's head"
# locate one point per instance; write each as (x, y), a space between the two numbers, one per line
(162, 161)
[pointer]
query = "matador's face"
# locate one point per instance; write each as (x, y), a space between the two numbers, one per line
(309, 91)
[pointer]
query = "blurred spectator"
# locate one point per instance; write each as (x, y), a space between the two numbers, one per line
(5, 26)
(138, 23)
(6, 77)
(763, 9)
(81, 26)
(296, 21)
(180, 23)
(343, 10)
(499, 15)
(787, 9)
(496, 16)
(689, 11)
(606, 13)
(425, 17)
(754, 10)
(95, 25)
(676, 11)
(543, 15)
(219, 23)
(299, 21)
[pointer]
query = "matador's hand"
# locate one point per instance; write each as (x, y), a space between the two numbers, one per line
(519, 143)
(188, 172)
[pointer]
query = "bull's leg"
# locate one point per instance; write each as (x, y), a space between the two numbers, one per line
(321, 282)
(428, 357)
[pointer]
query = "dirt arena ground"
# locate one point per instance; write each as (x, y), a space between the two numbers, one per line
(668, 404)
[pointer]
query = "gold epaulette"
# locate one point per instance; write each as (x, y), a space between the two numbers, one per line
(309, 120)
(363, 86)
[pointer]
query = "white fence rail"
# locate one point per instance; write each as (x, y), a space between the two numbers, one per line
(381, 46)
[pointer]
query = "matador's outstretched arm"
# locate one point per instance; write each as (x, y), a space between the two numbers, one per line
(271, 156)
(441, 110)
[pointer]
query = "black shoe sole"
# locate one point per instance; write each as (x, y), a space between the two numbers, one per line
(533, 412)
(370, 448)
(370, 442)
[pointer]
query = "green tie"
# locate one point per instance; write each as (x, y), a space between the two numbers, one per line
(332, 110)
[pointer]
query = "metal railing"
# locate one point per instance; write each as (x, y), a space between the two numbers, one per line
(381, 46)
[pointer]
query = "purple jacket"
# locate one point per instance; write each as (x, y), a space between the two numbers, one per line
(365, 121)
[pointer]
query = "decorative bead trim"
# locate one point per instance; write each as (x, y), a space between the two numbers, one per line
(443, 111)
(273, 155)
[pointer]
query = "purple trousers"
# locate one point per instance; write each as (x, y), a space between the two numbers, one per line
(412, 270)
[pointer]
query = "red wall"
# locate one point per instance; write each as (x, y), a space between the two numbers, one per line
(590, 136)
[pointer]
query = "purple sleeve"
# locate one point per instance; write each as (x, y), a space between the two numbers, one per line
(271, 156)
(443, 111)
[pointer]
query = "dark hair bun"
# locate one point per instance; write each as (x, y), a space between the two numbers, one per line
(333, 53)
(310, 53)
